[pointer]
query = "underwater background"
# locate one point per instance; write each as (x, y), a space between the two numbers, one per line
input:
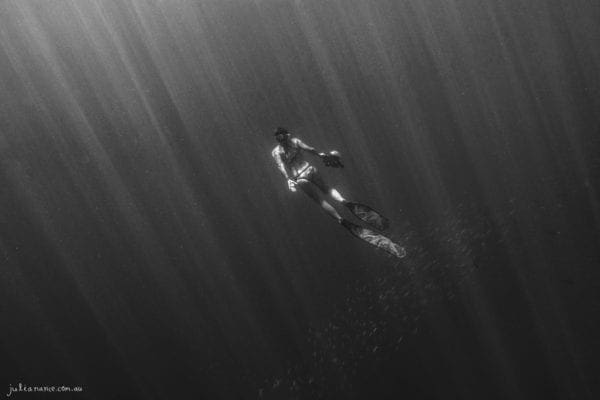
(150, 249)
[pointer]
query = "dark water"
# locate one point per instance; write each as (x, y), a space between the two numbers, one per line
(150, 249)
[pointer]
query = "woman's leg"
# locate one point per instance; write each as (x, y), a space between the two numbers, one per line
(315, 193)
(325, 188)
(361, 211)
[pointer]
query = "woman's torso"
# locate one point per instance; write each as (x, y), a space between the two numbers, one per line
(292, 156)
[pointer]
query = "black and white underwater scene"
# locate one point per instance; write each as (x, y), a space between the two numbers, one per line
(159, 240)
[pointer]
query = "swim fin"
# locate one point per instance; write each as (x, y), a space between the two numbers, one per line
(368, 215)
(375, 239)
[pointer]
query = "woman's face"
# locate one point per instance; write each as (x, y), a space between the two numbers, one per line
(282, 137)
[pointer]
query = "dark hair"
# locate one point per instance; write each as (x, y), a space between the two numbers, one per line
(281, 131)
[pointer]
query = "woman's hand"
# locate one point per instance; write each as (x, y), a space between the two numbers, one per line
(292, 185)
(332, 159)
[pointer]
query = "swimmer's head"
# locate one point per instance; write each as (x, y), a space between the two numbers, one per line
(281, 134)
